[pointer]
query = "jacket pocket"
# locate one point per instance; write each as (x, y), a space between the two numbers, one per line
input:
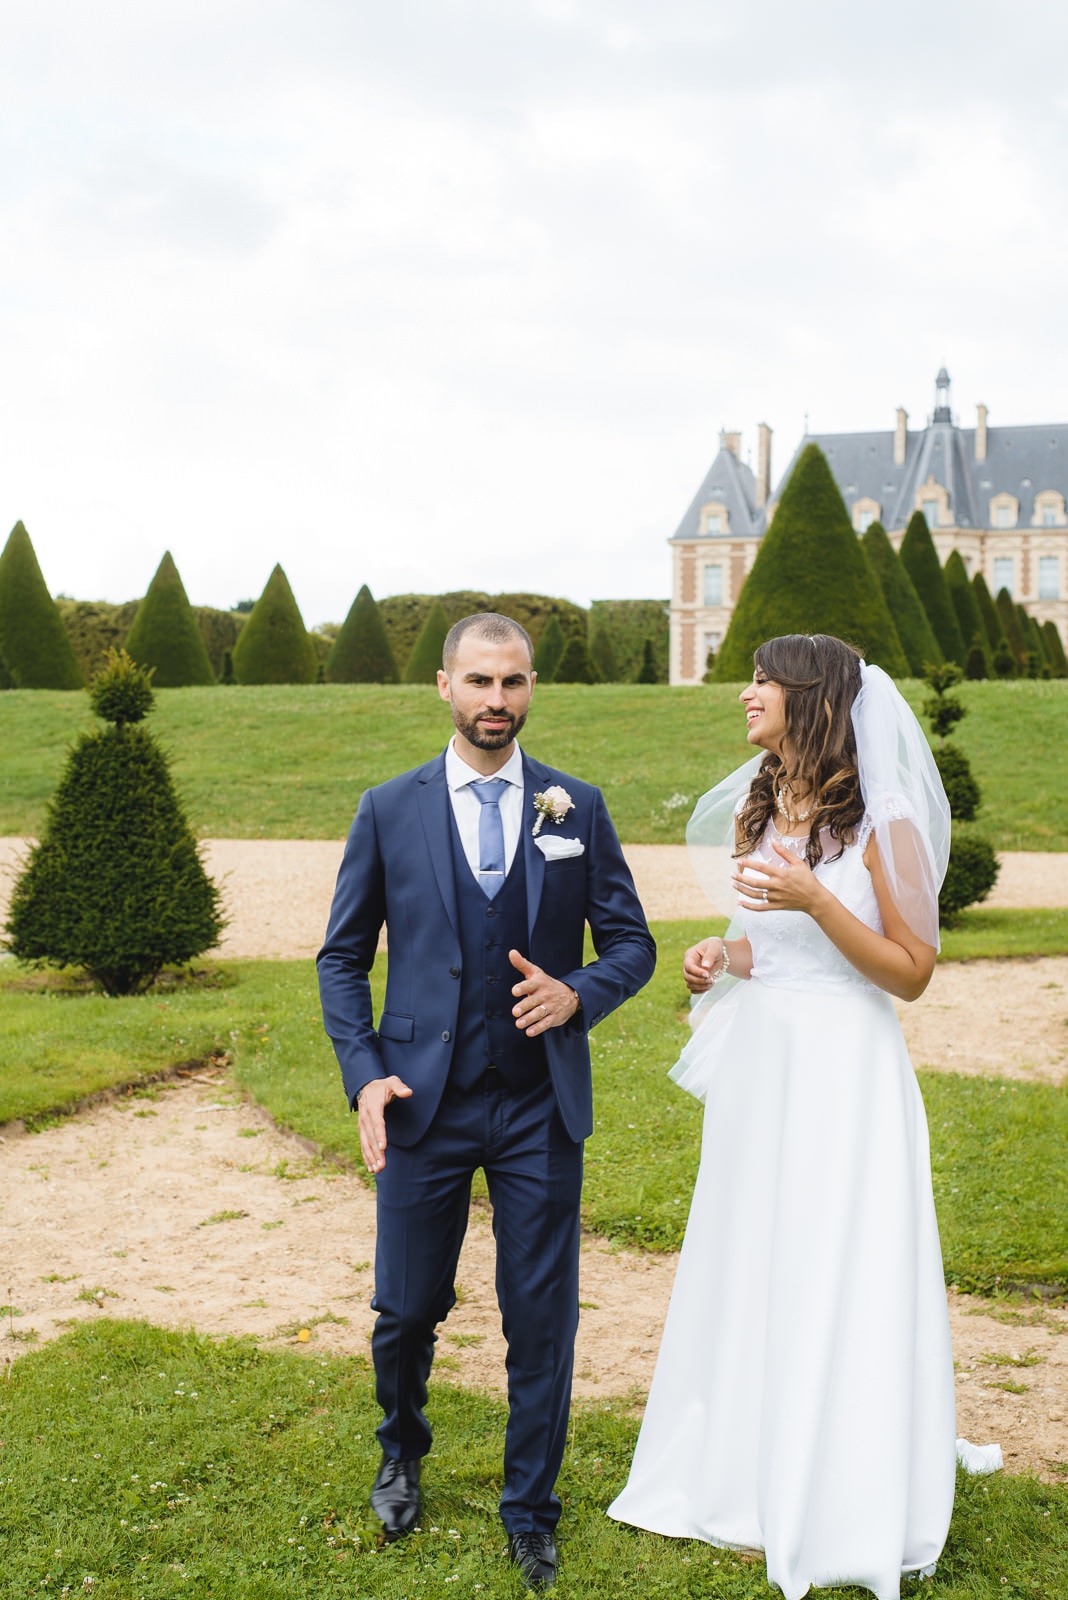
(392, 1026)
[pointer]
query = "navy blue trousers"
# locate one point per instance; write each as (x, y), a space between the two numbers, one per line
(534, 1175)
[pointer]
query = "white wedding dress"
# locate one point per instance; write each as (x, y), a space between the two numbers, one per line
(803, 1400)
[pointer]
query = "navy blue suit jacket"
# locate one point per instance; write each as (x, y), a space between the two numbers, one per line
(398, 870)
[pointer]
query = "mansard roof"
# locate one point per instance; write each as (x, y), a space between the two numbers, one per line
(1021, 461)
(730, 482)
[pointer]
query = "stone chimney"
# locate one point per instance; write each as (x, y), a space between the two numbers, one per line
(763, 473)
(901, 436)
(731, 442)
(980, 434)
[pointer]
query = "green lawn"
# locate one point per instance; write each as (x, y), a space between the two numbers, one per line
(1000, 1176)
(142, 1465)
(291, 762)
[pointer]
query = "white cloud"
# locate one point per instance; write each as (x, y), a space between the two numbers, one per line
(459, 294)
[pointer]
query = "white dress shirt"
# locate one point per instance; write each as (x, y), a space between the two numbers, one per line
(466, 809)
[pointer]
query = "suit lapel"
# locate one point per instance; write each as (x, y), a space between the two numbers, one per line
(535, 778)
(434, 803)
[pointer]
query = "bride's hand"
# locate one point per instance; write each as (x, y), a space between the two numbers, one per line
(701, 963)
(788, 884)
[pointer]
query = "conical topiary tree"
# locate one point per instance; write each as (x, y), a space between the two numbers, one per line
(34, 646)
(165, 635)
(980, 659)
(920, 560)
(361, 653)
(425, 659)
(274, 646)
(969, 617)
(549, 649)
(1055, 655)
(987, 610)
(575, 666)
(921, 648)
(1010, 627)
(647, 670)
(810, 575)
(116, 884)
(1004, 662)
(602, 653)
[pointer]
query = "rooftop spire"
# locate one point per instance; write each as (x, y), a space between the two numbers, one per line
(941, 411)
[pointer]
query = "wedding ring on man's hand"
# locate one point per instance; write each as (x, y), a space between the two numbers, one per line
(764, 896)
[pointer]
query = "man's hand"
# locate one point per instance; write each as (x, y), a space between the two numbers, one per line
(374, 1098)
(543, 1002)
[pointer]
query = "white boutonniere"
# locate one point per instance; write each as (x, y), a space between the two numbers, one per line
(555, 804)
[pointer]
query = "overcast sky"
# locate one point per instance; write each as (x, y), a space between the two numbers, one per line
(432, 294)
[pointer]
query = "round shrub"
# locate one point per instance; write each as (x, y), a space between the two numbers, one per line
(972, 873)
(962, 791)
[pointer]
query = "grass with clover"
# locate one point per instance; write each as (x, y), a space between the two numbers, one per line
(144, 1463)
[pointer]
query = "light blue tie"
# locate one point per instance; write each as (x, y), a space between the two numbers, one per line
(490, 834)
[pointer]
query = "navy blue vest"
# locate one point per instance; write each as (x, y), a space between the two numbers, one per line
(486, 1034)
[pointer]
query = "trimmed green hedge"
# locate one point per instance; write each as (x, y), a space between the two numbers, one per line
(910, 619)
(361, 652)
(811, 575)
(164, 634)
(34, 649)
(273, 646)
(920, 560)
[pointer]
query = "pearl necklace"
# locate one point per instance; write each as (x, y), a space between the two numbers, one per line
(802, 816)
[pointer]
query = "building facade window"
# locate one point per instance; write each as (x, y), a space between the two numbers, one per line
(930, 509)
(1003, 517)
(1049, 578)
(713, 585)
(864, 520)
(1004, 573)
(1049, 516)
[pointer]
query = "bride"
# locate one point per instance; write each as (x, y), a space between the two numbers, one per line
(803, 1400)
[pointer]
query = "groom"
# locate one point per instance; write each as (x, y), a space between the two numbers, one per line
(485, 866)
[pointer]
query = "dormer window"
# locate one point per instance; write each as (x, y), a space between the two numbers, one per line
(1004, 511)
(714, 518)
(865, 512)
(1049, 509)
(930, 509)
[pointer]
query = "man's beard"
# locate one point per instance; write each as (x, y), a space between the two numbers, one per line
(469, 729)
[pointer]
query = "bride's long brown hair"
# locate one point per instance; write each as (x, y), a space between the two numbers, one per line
(820, 676)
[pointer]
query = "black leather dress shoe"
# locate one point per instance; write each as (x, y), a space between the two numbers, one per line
(395, 1497)
(535, 1556)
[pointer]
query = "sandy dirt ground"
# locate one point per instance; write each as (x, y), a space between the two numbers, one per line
(185, 1206)
(171, 1207)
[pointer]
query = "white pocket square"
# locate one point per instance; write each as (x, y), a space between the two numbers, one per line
(555, 848)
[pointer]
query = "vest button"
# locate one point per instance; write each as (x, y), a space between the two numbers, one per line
(446, 1036)
(491, 979)
(490, 911)
(454, 972)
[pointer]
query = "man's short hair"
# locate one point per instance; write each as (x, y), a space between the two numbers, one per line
(487, 625)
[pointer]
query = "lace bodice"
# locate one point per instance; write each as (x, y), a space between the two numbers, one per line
(790, 951)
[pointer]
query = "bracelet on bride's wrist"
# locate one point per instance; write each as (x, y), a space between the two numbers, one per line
(726, 967)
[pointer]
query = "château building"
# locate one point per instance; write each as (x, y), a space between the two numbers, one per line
(995, 494)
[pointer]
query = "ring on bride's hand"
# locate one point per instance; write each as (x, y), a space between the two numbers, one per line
(764, 896)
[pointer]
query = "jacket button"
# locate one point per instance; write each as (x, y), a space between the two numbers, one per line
(454, 972)
(446, 1036)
